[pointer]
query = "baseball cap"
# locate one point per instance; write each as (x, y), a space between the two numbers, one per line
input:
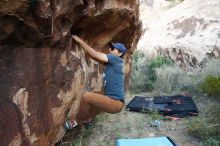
(118, 46)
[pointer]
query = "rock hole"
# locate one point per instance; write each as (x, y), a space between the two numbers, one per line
(75, 31)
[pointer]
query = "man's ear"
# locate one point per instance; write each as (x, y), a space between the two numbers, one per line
(120, 54)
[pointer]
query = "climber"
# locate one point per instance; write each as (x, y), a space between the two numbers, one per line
(112, 99)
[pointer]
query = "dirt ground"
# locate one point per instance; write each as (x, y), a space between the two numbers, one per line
(109, 127)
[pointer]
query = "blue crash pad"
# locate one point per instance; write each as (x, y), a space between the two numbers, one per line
(154, 141)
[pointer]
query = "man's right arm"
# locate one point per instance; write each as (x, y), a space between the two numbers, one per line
(98, 56)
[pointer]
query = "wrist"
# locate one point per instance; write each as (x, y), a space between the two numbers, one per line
(80, 41)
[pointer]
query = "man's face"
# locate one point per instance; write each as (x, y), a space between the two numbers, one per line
(115, 52)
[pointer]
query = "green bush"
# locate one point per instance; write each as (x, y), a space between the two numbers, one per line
(173, 3)
(160, 74)
(210, 142)
(169, 79)
(158, 62)
(201, 128)
(143, 75)
(210, 67)
(206, 126)
(139, 81)
(173, 80)
(211, 86)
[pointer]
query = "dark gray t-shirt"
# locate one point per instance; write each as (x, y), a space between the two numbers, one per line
(113, 80)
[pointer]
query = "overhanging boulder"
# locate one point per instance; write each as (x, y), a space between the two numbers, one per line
(44, 72)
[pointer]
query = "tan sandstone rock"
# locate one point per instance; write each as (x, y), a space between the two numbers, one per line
(187, 32)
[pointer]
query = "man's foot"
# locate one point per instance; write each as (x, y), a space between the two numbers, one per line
(70, 124)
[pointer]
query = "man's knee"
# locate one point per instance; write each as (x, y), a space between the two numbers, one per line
(119, 108)
(86, 96)
(116, 109)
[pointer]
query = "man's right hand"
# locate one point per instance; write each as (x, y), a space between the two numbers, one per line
(98, 56)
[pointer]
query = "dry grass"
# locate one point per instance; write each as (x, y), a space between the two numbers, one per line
(173, 80)
(110, 127)
(170, 80)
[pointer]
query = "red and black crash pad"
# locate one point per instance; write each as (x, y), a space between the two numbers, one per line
(176, 106)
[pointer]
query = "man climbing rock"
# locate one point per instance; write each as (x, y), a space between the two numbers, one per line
(112, 99)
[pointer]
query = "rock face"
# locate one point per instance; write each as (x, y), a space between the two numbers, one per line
(43, 72)
(186, 32)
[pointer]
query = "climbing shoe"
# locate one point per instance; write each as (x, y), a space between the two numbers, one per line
(70, 125)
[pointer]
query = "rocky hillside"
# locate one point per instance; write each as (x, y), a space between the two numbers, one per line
(186, 31)
(43, 73)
